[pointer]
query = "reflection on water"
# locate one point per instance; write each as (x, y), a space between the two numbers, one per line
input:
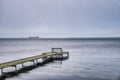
(57, 64)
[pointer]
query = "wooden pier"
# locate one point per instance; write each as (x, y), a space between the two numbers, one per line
(44, 56)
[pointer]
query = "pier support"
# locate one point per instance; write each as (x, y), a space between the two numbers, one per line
(61, 56)
(22, 65)
(56, 56)
(67, 54)
(37, 61)
(15, 67)
(44, 58)
(51, 57)
(2, 71)
(33, 62)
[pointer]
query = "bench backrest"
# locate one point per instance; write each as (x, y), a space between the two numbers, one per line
(57, 50)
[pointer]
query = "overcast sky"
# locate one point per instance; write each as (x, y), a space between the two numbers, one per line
(60, 18)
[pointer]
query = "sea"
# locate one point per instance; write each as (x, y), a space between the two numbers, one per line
(89, 58)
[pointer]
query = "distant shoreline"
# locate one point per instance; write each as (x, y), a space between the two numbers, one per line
(70, 38)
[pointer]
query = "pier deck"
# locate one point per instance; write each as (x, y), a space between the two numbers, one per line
(23, 60)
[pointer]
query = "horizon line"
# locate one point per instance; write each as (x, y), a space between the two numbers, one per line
(51, 37)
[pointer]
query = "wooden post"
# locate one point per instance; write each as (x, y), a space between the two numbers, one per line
(61, 55)
(2, 71)
(51, 57)
(45, 58)
(22, 65)
(33, 62)
(52, 50)
(15, 68)
(36, 60)
(56, 56)
(67, 54)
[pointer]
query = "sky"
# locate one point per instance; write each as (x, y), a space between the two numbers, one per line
(59, 18)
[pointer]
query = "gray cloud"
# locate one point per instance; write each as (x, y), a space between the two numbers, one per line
(19, 18)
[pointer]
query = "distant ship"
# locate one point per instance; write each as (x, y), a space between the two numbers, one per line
(34, 37)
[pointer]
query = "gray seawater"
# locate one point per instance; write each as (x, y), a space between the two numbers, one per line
(90, 59)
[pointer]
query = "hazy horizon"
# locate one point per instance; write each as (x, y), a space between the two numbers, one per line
(54, 37)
